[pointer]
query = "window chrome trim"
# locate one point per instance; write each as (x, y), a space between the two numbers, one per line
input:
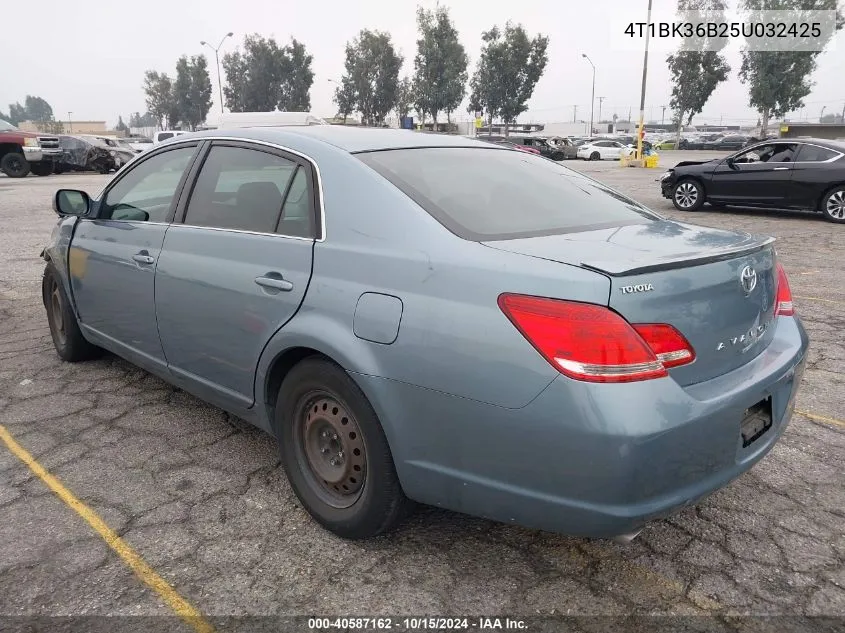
(187, 139)
(240, 139)
(217, 228)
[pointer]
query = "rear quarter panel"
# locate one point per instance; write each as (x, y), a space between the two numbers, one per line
(452, 337)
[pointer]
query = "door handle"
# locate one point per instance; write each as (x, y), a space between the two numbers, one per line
(275, 282)
(143, 258)
(780, 168)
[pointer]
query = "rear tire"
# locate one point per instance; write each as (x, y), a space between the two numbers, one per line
(595, 156)
(833, 205)
(14, 165)
(70, 345)
(688, 195)
(335, 452)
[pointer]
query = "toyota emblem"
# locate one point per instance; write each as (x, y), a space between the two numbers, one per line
(748, 279)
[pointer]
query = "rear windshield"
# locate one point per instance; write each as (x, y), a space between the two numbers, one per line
(493, 194)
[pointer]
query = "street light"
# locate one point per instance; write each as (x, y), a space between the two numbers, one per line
(593, 94)
(642, 93)
(821, 116)
(217, 59)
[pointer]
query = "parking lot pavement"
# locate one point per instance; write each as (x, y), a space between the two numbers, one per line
(201, 496)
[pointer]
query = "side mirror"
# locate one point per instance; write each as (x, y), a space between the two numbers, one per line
(729, 161)
(71, 202)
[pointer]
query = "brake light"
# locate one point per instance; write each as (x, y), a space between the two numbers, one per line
(783, 297)
(670, 346)
(592, 343)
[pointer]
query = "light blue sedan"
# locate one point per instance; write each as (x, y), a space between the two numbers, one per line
(433, 318)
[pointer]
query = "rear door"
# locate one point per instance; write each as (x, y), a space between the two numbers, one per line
(237, 268)
(815, 169)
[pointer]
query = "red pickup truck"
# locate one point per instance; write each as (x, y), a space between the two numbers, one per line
(23, 152)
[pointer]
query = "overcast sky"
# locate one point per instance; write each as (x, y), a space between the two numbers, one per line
(89, 56)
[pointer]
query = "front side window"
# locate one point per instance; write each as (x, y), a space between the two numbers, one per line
(241, 189)
(489, 194)
(146, 192)
(768, 153)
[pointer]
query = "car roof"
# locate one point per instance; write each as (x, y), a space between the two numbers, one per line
(350, 139)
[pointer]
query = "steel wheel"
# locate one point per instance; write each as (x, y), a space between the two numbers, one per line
(329, 441)
(57, 319)
(835, 205)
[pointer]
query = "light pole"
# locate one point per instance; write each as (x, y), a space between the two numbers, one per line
(663, 116)
(593, 94)
(217, 59)
(69, 123)
(600, 102)
(821, 116)
(642, 92)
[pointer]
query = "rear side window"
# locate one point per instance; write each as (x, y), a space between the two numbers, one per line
(814, 154)
(488, 194)
(241, 189)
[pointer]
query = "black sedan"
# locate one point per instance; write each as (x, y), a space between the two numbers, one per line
(807, 174)
(726, 143)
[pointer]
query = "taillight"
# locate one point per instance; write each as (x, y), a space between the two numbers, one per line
(783, 300)
(592, 343)
(670, 346)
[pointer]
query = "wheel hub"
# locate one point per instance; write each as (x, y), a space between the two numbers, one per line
(56, 311)
(334, 448)
(836, 205)
(686, 195)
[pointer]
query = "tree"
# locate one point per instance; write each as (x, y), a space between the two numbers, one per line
(697, 72)
(17, 113)
(404, 97)
(121, 126)
(344, 97)
(192, 90)
(508, 70)
(372, 75)
(778, 80)
(295, 92)
(440, 64)
(265, 76)
(136, 119)
(37, 109)
(158, 88)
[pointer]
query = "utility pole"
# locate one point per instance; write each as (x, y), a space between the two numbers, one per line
(663, 115)
(69, 123)
(600, 102)
(217, 59)
(574, 113)
(821, 116)
(593, 94)
(642, 92)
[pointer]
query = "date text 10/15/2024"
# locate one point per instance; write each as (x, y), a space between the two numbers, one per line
(417, 624)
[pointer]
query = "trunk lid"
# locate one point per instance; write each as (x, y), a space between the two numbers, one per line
(689, 277)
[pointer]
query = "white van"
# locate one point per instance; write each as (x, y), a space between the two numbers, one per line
(262, 119)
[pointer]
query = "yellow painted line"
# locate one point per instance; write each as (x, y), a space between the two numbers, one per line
(819, 299)
(821, 418)
(147, 574)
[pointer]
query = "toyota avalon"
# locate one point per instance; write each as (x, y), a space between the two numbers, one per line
(435, 319)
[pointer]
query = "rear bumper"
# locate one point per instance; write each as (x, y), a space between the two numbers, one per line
(583, 459)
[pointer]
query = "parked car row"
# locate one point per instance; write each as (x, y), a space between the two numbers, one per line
(22, 153)
(804, 174)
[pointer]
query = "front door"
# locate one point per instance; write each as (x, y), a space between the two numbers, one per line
(759, 175)
(236, 270)
(113, 256)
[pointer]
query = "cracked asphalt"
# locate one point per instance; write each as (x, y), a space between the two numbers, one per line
(202, 497)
